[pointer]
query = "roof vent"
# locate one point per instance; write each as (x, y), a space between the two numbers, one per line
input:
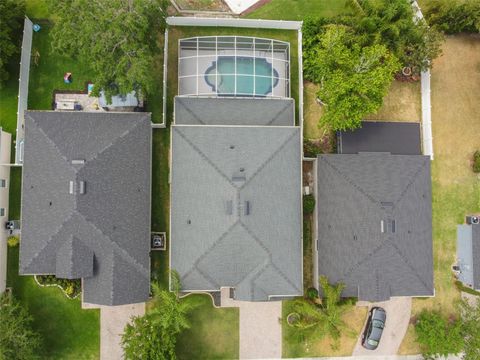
(82, 188)
(247, 208)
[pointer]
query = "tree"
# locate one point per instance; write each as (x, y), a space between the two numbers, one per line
(470, 329)
(12, 13)
(437, 335)
(391, 23)
(319, 320)
(153, 336)
(453, 16)
(117, 38)
(353, 79)
(17, 339)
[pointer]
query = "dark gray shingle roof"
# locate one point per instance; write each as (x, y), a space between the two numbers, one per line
(236, 209)
(86, 189)
(357, 196)
(234, 111)
(398, 138)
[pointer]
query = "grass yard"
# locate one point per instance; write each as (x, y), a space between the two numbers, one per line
(68, 332)
(298, 9)
(456, 189)
(402, 103)
(47, 76)
(292, 347)
(214, 333)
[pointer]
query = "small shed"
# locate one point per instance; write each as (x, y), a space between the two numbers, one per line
(126, 102)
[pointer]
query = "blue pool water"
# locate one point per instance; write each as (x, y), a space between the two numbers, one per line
(248, 84)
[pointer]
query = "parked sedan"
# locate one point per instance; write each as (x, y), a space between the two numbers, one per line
(374, 329)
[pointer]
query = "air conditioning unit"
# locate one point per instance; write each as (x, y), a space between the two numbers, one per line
(473, 220)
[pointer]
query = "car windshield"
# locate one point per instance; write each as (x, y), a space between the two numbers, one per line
(378, 324)
(372, 342)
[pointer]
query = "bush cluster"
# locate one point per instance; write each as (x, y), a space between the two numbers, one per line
(308, 204)
(71, 287)
(13, 241)
(454, 16)
(476, 161)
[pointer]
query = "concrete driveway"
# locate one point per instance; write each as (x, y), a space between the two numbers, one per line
(398, 316)
(260, 327)
(113, 320)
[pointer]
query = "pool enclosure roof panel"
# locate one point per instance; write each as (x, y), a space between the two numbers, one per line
(238, 66)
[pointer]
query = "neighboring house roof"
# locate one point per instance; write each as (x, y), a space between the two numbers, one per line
(236, 111)
(375, 224)
(236, 209)
(468, 254)
(398, 138)
(86, 202)
(129, 100)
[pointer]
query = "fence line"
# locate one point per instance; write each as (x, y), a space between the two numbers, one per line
(427, 136)
(23, 87)
(234, 22)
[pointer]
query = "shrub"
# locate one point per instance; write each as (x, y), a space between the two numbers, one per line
(13, 241)
(454, 16)
(476, 161)
(308, 204)
(437, 335)
(312, 293)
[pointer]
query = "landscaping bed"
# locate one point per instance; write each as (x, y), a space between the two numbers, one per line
(71, 288)
(202, 5)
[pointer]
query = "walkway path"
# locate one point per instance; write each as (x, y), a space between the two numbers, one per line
(398, 316)
(260, 327)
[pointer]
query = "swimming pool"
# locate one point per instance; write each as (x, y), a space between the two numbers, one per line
(248, 76)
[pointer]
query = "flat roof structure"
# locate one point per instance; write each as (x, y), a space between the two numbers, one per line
(236, 209)
(239, 66)
(375, 224)
(234, 111)
(398, 138)
(468, 254)
(86, 202)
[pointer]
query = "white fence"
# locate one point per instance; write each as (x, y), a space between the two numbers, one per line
(23, 87)
(234, 22)
(427, 137)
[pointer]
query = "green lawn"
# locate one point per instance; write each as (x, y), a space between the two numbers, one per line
(48, 75)
(68, 332)
(298, 9)
(214, 333)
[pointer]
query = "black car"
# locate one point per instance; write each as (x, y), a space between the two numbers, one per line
(374, 329)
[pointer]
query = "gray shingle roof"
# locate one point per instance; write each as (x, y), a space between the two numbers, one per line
(236, 209)
(398, 138)
(86, 190)
(234, 111)
(356, 194)
(476, 255)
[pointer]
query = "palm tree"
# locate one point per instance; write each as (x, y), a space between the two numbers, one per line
(325, 319)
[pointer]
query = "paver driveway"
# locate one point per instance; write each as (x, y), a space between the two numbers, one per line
(398, 316)
(260, 327)
(112, 322)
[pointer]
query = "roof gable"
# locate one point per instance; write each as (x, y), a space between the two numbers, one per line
(374, 224)
(236, 211)
(86, 193)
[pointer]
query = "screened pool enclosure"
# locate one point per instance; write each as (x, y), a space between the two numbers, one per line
(234, 66)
